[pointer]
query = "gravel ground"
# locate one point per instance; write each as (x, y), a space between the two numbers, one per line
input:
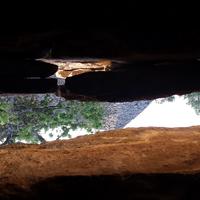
(118, 115)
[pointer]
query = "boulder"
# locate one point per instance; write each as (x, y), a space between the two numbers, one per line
(134, 162)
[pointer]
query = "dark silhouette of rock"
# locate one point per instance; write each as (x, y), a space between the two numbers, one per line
(27, 86)
(137, 82)
(18, 68)
(139, 186)
(112, 42)
(143, 186)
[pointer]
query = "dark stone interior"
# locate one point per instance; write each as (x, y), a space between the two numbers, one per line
(159, 186)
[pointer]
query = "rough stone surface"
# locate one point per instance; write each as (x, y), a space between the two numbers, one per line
(127, 151)
(130, 163)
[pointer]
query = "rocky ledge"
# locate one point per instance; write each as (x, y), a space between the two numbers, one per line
(159, 155)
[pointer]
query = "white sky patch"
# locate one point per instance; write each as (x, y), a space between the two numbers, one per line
(167, 114)
(53, 134)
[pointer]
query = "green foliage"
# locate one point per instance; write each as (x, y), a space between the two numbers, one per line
(4, 118)
(28, 115)
(193, 100)
(26, 135)
(4, 113)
